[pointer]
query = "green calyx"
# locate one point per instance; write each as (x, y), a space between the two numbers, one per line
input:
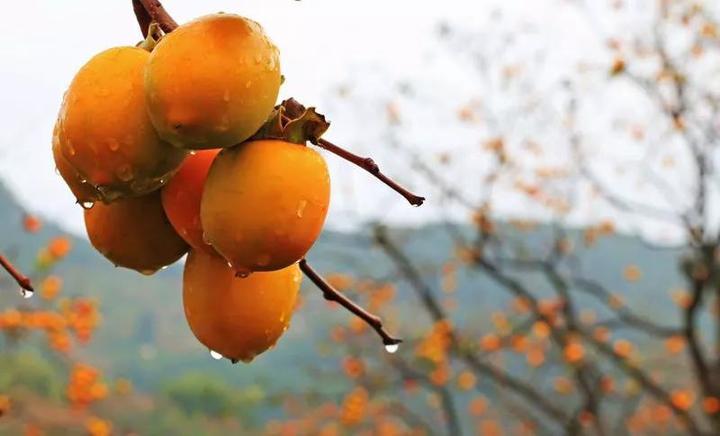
(292, 122)
(153, 37)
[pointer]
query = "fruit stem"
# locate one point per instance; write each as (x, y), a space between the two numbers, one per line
(148, 11)
(21, 280)
(369, 165)
(332, 294)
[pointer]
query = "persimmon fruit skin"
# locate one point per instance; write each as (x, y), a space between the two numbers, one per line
(265, 203)
(134, 233)
(181, 198)
(104, 132)
(212, 82)
(84, 192)
(237, 317)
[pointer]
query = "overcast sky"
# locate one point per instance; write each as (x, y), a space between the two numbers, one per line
(366, 47)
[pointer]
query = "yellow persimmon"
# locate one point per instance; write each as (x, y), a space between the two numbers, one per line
(236, 317)
(212, 82)
(104, 137)
(134, 233)
(265, 203)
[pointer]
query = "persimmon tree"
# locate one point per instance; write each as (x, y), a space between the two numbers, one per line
(565, 348)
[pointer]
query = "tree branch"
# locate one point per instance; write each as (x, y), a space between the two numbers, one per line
(370, 166)
(332, 294)
(22, 280)
(152, 10)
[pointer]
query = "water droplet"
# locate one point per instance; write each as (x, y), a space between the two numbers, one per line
(248, 84)
(301, 208)
(125, 173)
(26, 294)
(57, 171)
(113, 144)
(242, 274)
(215, 355)
(87, 205)
(258, 58)
(224, 124)
(263, 260)
(148, 272)
(70, 148)
(226, 95)
(193, 153)
(392, 348)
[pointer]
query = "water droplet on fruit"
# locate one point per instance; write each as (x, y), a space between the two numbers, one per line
(57, 171)
(215, 355)
(258, 58)
(242, 274)
(224, 124)
(263, 260)
(392, 348)
(193, 152)
(148, 272)
(113, 144)
(248, 84)
(87, 205)
(26, 294)
(301, 208)
(71, 149)
(125, 173)
(226, 96)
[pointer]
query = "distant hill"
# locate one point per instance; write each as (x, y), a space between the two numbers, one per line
(144, 335)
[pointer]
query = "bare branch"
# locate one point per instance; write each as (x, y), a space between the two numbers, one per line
(22, 280)
(332, 294)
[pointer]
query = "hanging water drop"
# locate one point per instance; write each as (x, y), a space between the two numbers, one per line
(87, 205)
(27, 294)
(392, 348)
(215, 355)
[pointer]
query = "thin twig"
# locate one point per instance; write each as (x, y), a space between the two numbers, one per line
(370, 166)
(21, 279)
(332, 294)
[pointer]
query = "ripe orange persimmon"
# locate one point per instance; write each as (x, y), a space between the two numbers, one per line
(104, 132)
(265, 203)
(181, 198)
(212, 82)
(238, 318)
(134, 233)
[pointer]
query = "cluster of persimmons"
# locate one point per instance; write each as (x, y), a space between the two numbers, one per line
(176, 145)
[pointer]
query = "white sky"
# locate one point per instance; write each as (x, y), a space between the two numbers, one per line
(367, 46)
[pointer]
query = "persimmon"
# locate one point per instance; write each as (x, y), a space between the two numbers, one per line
(265, 203)
(104, 132)
(134, 233)
(181, 198)
(238, 318)
(212, 82)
